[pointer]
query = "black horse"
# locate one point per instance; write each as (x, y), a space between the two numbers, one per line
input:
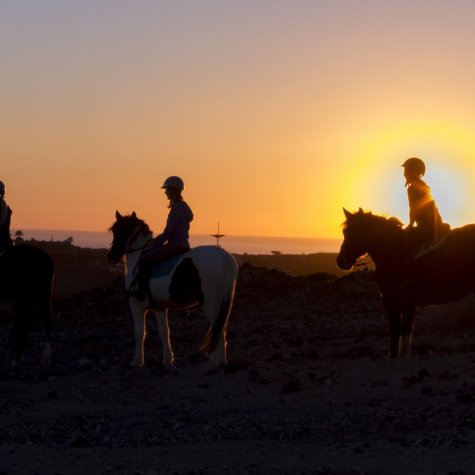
(26, 281)
(406, 282)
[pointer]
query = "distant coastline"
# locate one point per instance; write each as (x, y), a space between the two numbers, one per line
(78, 268)
(233, 244)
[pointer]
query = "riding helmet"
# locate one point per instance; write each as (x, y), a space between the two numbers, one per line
(2, 188)
(174, 182)
(414, 166)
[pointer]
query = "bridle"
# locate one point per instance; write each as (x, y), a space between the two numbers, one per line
(131, 250)
(132, 238)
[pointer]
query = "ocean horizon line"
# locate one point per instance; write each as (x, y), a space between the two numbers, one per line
(106, 231)
(237, 244)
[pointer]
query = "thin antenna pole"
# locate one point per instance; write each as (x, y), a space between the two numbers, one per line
(218, 236)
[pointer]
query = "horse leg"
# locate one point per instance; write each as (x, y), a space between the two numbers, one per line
(22, 324)
(407, 329)
(138, 314)
(394, 318)
(217, 356)
(164, 331)
(47, 313)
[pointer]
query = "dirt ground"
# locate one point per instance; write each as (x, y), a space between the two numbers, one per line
(308, 388)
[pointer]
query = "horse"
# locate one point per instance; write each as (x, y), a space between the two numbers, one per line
(26, 282)
(205, 275)
(406, 281)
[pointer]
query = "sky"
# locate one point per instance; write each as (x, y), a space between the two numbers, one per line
(276, 114)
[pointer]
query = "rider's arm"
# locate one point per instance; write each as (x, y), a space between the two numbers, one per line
(172, 221)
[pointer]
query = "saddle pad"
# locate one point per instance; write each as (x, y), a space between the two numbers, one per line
(165, 267)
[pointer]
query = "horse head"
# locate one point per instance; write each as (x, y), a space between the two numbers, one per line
(124, 231)
(354, 244)
(366, 233)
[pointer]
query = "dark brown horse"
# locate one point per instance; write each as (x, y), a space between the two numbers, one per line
(26, 281)
(406, 282)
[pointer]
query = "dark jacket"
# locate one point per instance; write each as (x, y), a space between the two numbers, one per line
(178, 225)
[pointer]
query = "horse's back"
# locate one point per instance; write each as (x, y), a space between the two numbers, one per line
(31, 257)
(463, 234)
(206, 258)
(460, 244)
(214, 259)
(446, 273)
(26, 266)
(197, 272)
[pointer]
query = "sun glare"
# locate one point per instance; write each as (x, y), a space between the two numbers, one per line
(449, 189)
(375, 180)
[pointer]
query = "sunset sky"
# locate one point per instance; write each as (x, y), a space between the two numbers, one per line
(275, 113)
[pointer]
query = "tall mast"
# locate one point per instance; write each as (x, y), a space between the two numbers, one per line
(218, 236)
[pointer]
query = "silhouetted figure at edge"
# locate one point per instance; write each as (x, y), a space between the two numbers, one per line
(426, 227)
(5, 217)
(174, 239)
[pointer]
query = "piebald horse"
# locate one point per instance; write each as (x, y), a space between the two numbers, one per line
(406, 282)
(204, 275)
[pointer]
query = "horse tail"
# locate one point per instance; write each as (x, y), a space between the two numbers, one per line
(215, 330)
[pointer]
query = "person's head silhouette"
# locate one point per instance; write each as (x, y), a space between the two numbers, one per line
(414, 169)
(173, 187)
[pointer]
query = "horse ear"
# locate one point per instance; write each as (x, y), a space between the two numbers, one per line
(348, 215)
(133, 215)
(361, 210)
(118, 215)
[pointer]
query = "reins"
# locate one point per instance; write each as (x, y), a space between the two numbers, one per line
(132, 238)
(142, 248)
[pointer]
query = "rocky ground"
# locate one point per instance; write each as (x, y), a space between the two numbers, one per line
(308, 388)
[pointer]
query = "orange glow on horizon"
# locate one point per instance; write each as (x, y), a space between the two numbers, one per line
(276, 117)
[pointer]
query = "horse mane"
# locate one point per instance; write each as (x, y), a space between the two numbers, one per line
(133, 222)
(370, 219)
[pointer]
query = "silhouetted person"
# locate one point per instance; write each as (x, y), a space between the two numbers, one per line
(5, 217)
(174, 239)
(425, 223)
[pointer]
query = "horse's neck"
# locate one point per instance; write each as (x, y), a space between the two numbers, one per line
(132, 257)
(388, 249)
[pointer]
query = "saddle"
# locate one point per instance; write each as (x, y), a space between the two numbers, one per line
(140, 286)
(420, 243)
(165, 267)
(429, 247)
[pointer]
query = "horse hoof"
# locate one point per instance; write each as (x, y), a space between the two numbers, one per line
(168, 364)
(217, 364)
(136, 364)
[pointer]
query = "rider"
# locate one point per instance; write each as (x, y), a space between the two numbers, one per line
(174, 239)
(5, 216)
(425, 223)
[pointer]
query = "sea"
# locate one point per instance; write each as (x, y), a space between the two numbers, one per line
(233, 244)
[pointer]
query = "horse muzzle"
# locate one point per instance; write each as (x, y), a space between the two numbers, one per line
(343, 262)
(112, 258)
